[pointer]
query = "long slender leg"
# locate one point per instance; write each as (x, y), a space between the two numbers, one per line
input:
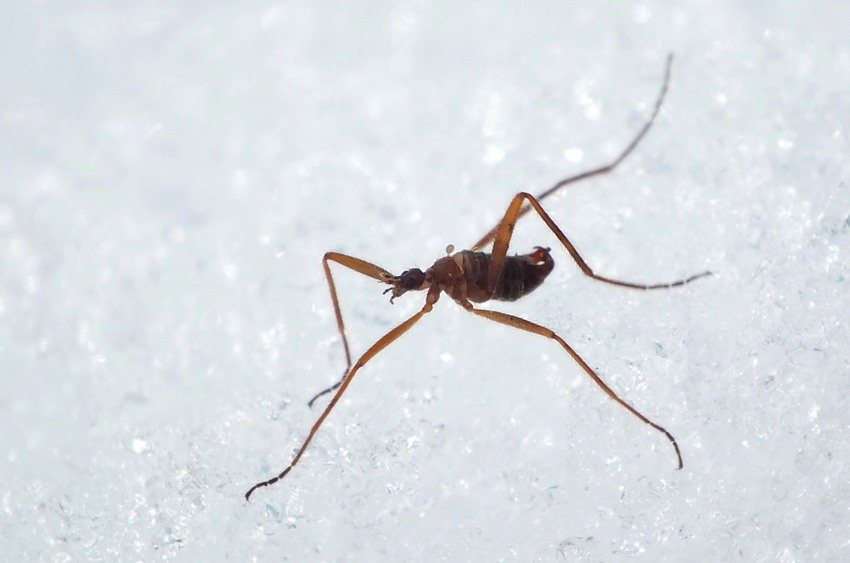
(505, 232)
(359, 266)
(385, 341)
(528, 326)
(602, 169)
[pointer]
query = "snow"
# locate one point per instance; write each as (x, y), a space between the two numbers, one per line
(172, 173)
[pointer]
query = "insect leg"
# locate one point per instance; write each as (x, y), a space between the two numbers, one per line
(528, 326)
(385, 341)
(596, 171)
(359, 266)
(503, 237)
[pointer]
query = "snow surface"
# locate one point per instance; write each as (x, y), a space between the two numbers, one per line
(172, 172)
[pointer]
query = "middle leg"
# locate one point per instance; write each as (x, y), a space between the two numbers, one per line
(384, 341)
(528, 326)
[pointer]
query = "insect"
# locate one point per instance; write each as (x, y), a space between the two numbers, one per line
(471, 276)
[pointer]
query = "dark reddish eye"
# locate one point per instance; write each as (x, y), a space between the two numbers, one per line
(412, 279)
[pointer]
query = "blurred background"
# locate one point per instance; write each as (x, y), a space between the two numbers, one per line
(171, 174)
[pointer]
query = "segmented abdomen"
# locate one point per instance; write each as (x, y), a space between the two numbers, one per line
(520, 275)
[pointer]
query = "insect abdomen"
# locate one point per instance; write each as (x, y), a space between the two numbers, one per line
(520, 275)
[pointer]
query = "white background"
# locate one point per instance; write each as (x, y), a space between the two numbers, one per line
(172, 172)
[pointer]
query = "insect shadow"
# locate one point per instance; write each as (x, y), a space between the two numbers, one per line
(472, 276)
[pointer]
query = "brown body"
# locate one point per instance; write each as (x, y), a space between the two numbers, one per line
(470, 276)
(464, 276)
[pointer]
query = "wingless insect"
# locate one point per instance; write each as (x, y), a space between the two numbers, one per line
(472, 276)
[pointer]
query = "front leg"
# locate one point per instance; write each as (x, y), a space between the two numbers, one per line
(361, 267)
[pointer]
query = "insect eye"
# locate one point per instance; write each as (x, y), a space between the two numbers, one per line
(412, 279)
